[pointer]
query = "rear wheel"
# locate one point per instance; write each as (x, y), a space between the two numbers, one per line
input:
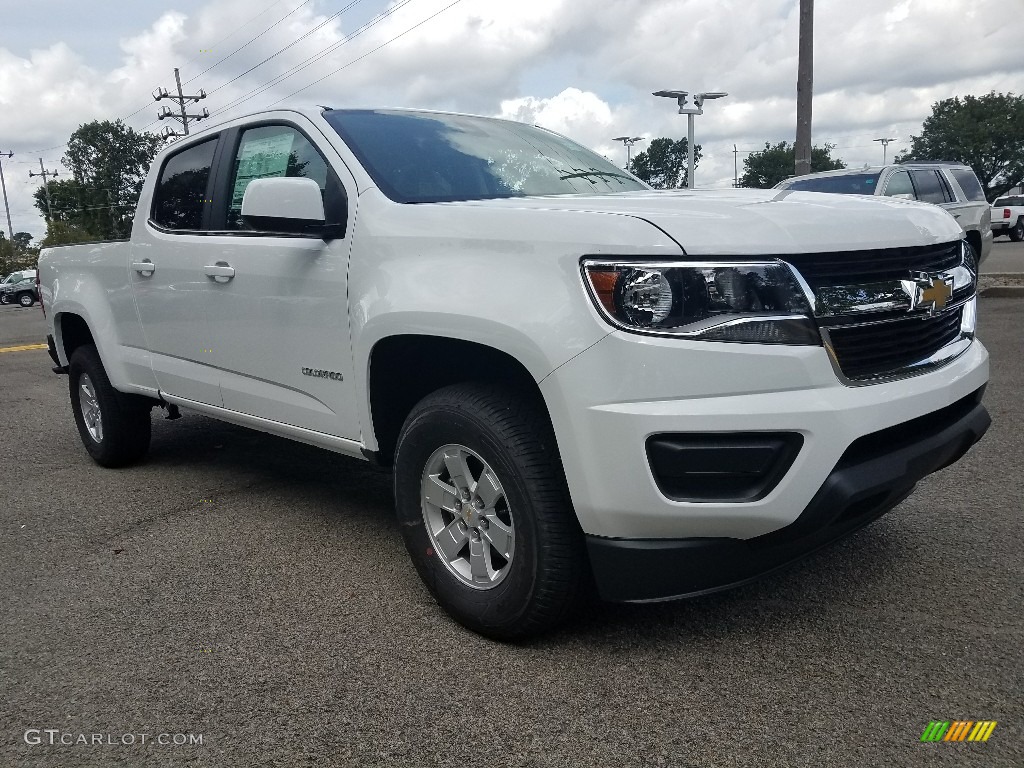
(114, 427)
(26, 299)
(485, 513)
(1017, 231)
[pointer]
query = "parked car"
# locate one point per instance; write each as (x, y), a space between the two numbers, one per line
(19, 288)
(572, 376)
(1008, 217)
(952, 186)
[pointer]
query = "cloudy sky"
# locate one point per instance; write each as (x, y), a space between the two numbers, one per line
(585, 68)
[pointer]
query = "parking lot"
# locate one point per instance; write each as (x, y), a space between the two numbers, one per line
(257, 592)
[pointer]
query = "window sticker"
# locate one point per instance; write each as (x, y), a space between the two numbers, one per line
(265, 158)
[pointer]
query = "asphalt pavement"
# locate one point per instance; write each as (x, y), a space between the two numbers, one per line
(255, 593)
(1006, 257)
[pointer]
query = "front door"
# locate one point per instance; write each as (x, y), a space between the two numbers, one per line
(278, 312)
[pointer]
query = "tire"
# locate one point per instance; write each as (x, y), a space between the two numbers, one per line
(114, 427)
(1017, 231)
(3, 299)
(493, 435)
(26, 299)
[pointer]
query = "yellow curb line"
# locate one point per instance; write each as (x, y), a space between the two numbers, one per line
(23, 348)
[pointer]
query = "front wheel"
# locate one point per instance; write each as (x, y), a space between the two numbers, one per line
(4, 299)
(115, 427)
(485, 512)
(1017, 231)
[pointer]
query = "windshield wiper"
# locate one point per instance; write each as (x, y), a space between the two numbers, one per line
(594, 172)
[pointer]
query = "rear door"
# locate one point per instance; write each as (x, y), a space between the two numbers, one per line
(279, 315)
(167, 256)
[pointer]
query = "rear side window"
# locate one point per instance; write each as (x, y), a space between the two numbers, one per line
(181, 191)
(843, 184)
(899, 184)
(929, 188)
(968, 183)
(272, 151)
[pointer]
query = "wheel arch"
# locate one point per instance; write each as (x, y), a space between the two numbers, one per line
(404, 368)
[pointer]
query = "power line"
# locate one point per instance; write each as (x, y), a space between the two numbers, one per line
(237, 30)
(248, 42)
(294, 42)
(382, 45)
(314, 58)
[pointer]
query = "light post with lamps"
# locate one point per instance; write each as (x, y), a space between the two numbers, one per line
(628, 142)
(696, 109)
(885, 146)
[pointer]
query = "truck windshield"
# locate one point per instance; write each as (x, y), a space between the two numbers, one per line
(428, 158)
(846, 184)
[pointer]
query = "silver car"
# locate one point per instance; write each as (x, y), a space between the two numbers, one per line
(952, 186)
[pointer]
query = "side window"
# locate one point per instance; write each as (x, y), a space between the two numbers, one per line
(272, 151)
(969, 184)
(180, 195)
(929, 189)
(899, 184)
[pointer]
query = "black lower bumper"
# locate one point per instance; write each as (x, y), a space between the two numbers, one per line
(875, 474)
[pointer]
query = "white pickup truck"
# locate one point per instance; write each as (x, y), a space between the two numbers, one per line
(576, 380)
(1008, 217)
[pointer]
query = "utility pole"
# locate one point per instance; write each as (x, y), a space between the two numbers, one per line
(804, 88)
(181, 99)
(628, 142)
(46, 187)
(735, 167)
(10, 229)
(885, 146)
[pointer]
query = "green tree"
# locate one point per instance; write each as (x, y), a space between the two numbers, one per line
(663, 163)
(65, 233)
(108, 163)
(765, 169)
(16, 254)
(985, 132)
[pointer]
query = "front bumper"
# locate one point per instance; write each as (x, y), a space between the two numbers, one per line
(873, 475)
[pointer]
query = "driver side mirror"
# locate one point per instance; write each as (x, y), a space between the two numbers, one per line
(288, 205)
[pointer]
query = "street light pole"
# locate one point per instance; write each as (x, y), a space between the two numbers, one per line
(885, 146)
(690, 112)
(628, 142)
(3, 183)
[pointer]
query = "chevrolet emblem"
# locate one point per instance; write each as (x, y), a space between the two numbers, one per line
(931, 292)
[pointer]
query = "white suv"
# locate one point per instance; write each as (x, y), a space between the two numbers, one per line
(952, 186)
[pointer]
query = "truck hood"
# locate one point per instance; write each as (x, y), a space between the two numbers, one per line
(757, 222)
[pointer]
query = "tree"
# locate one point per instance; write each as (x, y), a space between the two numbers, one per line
(985, 132)
(765, 169)
(65, 233)
(108, 163)
(663, 163)
(17, 254)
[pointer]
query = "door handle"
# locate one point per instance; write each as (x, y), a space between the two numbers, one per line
(221, 271)
(146, 268)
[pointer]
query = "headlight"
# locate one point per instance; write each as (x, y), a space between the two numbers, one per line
(759, 302)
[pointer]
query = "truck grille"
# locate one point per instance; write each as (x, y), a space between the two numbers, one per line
(887, 313)
(855, 268)
(886, 348)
